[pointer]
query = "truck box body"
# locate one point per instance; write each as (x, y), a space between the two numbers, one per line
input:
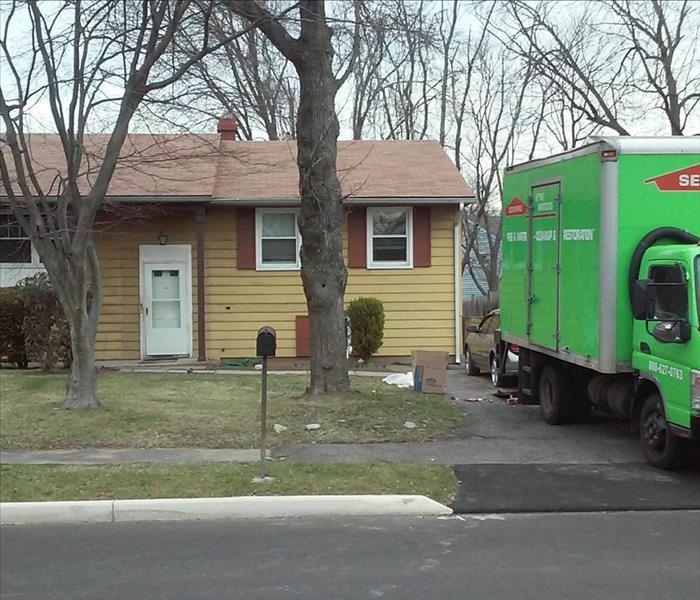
(571, 223)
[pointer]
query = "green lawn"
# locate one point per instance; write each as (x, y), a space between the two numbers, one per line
(146, 410)
(42, 482)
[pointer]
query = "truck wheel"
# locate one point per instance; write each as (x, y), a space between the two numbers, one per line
(469, 363)
(497, 379)
(557, 398)
(661, 448)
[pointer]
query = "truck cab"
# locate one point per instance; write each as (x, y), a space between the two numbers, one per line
(666, 348)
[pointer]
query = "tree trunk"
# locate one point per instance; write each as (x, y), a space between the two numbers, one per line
(82, 302)
(323, 271)
(81, 387)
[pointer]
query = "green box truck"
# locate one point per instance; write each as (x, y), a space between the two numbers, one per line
(600, 286)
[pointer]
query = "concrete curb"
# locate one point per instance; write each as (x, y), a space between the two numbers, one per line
(194, 509)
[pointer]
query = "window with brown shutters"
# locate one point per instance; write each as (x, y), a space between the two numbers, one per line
(389, 237)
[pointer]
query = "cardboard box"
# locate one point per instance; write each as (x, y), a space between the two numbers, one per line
(429, 371)
(430, 358)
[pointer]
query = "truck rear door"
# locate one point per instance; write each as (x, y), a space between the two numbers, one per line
(543, 240)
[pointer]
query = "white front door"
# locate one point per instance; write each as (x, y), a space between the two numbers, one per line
(166, 300)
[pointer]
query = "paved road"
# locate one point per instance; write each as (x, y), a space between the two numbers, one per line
(635, 556)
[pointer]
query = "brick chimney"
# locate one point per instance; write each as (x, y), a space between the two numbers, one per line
(227, 128)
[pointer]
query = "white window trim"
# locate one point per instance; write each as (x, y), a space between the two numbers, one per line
(259, 265)
(11, 273)
(372, 264)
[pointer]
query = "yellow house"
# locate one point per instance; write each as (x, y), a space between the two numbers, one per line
(199, 245)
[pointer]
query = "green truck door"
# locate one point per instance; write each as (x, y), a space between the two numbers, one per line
(543, 314)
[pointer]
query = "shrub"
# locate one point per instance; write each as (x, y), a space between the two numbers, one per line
(11, 324)
(366, 325)
(46, 331)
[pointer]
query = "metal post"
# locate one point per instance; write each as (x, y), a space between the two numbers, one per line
(263, 419)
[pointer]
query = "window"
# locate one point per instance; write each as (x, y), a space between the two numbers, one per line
(277, 238)
(670, 301)
(15, 246)
(492, 324)
(670, 293)
(389, 238)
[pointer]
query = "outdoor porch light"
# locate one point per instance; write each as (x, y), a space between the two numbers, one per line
(163, 238)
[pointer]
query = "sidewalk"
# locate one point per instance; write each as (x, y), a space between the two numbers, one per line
(113, 456)
(472, 450)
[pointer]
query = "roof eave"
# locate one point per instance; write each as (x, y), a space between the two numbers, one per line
(352, 201)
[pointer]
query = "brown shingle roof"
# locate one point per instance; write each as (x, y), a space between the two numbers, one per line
(202, 165)
(149, 164)
(366, 169)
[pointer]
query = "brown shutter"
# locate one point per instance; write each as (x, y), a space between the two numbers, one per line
(357, 237)
(421, 236)
(303, 336)
(245, 237)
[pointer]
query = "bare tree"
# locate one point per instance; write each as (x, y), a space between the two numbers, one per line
(246, 78)
(663, 38)
(368, 77)
(626, 59)
(323, 270)
(409, 87)
(498, 116)
(448, 23)
(570, 53)
(87, 62)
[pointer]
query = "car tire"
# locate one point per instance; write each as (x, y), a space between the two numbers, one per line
(469, 363)
(497, 379)
(661, 448)
(557, 398)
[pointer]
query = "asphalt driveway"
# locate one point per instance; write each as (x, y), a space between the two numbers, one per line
(596, 466)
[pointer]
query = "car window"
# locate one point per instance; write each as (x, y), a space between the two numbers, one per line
(488, 326)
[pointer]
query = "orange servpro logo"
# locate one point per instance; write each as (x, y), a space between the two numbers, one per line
(516, 207)
(682, 180)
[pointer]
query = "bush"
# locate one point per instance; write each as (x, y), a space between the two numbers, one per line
(11, 327)
(46, 331)
(367, 326)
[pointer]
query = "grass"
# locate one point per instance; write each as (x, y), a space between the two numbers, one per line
(43, 482)
(149, 410)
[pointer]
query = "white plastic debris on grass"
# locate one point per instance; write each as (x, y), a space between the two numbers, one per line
(402, 380)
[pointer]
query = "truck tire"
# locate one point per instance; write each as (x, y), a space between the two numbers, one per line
(557, 397)
(661, 448)
(469, 363)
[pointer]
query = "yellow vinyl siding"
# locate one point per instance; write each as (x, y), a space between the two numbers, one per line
(119, 331)
(419, 303)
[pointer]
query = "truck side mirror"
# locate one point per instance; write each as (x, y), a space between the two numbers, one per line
(642, 300)
(684, 332)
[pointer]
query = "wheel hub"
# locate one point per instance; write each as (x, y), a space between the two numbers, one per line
(655, 431)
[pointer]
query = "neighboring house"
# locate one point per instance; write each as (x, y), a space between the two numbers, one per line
(470, 289)
(199, 245)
